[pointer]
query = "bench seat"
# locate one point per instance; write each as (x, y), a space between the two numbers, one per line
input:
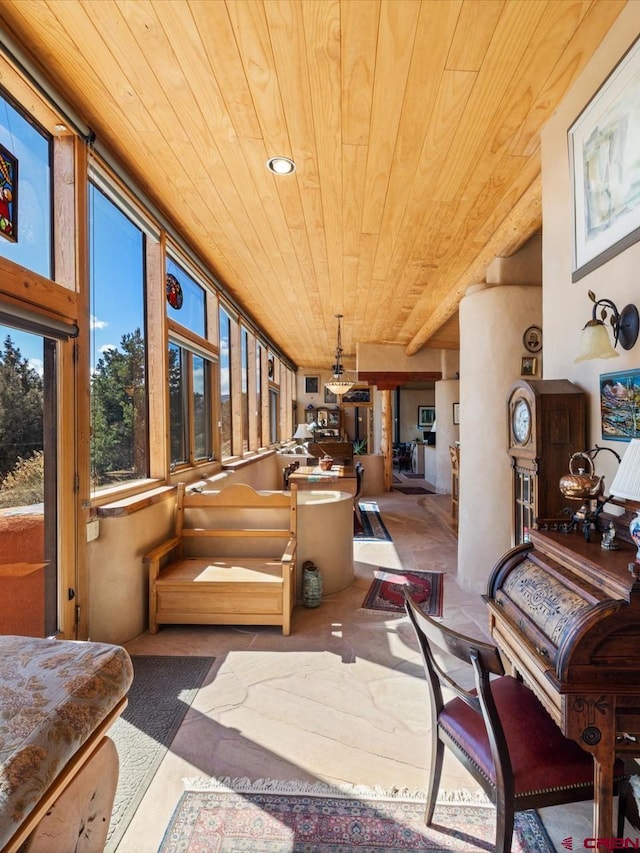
(231, 560)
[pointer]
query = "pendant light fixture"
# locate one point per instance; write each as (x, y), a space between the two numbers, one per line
(337, 385)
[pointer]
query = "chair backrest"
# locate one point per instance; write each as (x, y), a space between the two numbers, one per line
(483, 657)
(454, 455)
(359, 479)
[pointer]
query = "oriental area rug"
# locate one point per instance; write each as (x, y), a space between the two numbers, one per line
(387, 591)
(273, 816)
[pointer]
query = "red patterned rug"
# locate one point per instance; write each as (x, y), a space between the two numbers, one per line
(293, 817)
(387, 591)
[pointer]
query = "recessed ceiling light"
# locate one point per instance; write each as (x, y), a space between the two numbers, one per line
(281, 165)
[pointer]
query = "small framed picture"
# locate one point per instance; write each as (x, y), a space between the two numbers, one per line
(532, 339)
(529, 366)
(456, 413)
(329, 396)
(426, 416)
(311, 384)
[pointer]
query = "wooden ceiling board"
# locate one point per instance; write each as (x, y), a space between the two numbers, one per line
(414, 126)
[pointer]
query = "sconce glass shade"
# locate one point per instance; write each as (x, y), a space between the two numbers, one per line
(302, 432)
(595, 342)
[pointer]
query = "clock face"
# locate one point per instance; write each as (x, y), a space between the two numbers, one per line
(521, 422)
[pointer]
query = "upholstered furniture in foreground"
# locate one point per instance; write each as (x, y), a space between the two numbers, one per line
(500, 732)
(58, 771)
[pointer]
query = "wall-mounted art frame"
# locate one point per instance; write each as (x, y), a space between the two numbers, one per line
(620, 405)
(311, 384)
(528, 365)
(357, 397)
(605, 169)
(329, 396)
(456, 413)
(426, 416)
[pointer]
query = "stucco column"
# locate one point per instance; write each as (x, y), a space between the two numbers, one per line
(492, 322)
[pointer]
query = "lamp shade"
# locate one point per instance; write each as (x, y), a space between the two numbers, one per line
(339, 386)
(595, 342)
(626, 483)
(433, 427)
(303, 432)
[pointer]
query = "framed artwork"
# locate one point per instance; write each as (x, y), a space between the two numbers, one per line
(532, 339)
(456, 413)
(333, 417)
(8, 195)
(605, 169)
(322, 418)
(329, 396)
(426, 416)
(357, 397)
(311, 384)
(529, 366)
(620, 405)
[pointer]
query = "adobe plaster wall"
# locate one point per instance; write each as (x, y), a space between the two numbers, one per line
(566, 307)
(492, 323)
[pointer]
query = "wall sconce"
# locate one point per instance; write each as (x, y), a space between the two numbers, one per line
(595, 341)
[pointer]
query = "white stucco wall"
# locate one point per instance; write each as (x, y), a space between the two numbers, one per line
(492, 323)
(566, 306)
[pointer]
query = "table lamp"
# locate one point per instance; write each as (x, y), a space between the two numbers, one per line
(626, 484)
(302, 433)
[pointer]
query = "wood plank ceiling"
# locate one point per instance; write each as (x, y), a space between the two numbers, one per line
(414, 126)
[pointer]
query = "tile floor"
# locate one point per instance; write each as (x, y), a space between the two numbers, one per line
(341, 700)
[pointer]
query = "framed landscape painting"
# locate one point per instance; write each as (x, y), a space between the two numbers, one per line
(620, 405)
(605, 169)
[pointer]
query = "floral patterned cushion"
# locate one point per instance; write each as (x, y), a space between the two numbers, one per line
(53, 695)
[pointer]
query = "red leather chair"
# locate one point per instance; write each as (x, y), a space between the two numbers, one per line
(501, 734)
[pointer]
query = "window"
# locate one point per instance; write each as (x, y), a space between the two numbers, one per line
(244, 382)
(32, 149)
(185, 299)
(226, 423)
(119, 443)
(190, 402)
(274, 413)
(259, 350)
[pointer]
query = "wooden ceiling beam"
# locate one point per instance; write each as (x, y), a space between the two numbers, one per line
(388, 380)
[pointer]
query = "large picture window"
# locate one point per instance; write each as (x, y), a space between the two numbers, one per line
(119, 443)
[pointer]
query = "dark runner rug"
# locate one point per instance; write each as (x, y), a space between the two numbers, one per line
(274, 816)
(163, 689)
(387, 591)
(412, 490)
(373, 527)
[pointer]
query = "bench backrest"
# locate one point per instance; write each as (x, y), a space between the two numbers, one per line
(236, 521)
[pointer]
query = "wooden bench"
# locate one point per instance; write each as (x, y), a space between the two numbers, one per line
(230, 562)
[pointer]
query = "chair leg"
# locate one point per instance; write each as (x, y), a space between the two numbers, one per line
(624, 796)
(504, 825)
(433, 783)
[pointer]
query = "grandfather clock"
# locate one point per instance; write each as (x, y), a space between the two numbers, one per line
(547, 424)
